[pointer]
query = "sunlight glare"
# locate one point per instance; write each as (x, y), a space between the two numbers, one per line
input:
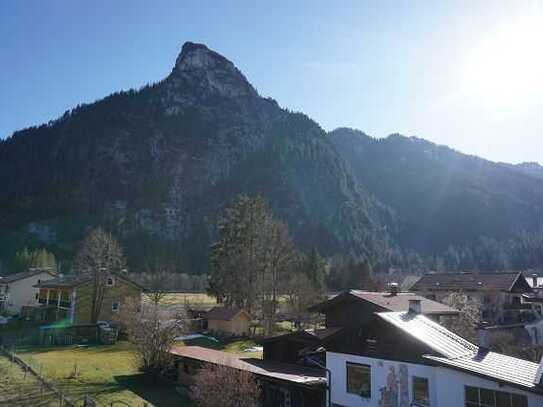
(505, 69)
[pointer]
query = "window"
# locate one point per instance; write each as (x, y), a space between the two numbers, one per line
(476, 397)
(115, 307)
(110, 281)
(359, 379)
(421, 391)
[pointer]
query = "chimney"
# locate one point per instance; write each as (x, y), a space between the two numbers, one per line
(484, 337)
(415, 306)
(393, 288)
(534, 280)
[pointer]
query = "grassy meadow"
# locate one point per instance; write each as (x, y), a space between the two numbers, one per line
(107, 373)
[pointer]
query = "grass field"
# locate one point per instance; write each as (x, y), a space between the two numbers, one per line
(105, 372)
(18, 389)
(201, 299)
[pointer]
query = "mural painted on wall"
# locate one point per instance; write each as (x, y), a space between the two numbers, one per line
(404, 386)
(396, 391)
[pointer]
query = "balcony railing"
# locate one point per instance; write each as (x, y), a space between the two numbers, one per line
(54, 303)
(517, 306)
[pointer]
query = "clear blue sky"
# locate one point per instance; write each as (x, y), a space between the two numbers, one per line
(379, 66)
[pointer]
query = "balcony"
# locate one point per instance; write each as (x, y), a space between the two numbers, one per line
(54, 303)
(517, 307)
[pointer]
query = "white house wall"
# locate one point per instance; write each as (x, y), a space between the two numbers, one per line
(22, 292)
(446, 385)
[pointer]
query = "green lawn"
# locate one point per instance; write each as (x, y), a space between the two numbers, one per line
(105, 372)
(18, 389)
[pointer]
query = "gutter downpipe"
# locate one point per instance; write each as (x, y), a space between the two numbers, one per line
(329, 378)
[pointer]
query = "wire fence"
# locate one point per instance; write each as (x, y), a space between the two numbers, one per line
(40, 389)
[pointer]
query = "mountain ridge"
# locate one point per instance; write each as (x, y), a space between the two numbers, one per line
(160, 163)
(433, 187)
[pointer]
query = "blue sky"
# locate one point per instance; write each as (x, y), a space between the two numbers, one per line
(380, 66)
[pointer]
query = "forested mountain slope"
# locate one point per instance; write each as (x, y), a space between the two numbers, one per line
(157, 166)
(443, 197)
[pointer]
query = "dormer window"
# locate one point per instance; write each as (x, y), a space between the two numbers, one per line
(110, 282)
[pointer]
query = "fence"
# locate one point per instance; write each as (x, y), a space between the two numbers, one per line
(63, 401)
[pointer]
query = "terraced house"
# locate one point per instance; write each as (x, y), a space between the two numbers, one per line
(70, 297)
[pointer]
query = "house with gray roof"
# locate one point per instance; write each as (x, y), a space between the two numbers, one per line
(501, 295)
(353, 308)
(407, 359)
(17, 290)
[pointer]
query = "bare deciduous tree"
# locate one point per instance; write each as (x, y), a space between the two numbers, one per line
(280, 259)
(152, 330)
(223, 386)
(99, 256)
(301, 294)
(159, 281)
(467, 322)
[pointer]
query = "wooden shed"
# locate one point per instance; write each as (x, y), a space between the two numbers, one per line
(230, 321)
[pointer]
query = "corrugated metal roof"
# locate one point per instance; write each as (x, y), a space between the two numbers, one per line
(497, 366)
(282, 371)
(439, 338)
(455, 351)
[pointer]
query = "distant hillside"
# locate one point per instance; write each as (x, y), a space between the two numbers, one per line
(443, 197)
(159, 164)
(532, 169)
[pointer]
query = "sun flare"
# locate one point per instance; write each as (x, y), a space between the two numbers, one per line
(505, 68)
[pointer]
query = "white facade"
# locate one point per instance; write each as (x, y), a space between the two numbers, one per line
(446, 386)
(21, 292)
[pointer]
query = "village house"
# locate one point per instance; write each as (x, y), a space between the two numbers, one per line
(283, 384)
(229, 321)
(353, 308)
(406, 359)
(17, 290)
(292, 369)
(502, 296)
(399, 358)
(69, 298)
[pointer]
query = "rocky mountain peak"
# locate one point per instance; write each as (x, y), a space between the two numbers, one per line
(210, 71)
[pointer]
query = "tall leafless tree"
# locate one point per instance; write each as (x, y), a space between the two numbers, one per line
(98, 257)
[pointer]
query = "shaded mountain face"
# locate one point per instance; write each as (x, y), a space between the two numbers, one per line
(159, 164)
(442, 197)
(532, 169)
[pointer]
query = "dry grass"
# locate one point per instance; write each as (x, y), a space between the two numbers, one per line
(201, 299)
